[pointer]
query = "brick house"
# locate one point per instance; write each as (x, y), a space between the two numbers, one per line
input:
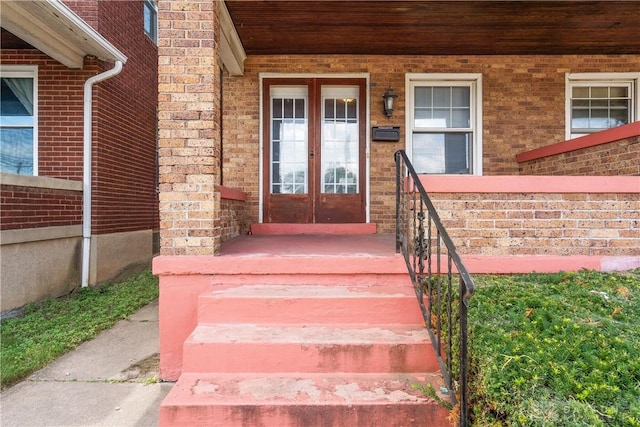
(79, 99)
(521, 117)
(516, 97)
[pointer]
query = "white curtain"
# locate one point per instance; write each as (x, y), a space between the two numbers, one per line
(16, 134)
(22, 88)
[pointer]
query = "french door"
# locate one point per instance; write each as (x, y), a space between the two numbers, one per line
(314, 150)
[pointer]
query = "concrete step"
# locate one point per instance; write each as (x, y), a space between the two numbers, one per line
(317, 348)
(302, 400)
(297, 229)
(310, 304)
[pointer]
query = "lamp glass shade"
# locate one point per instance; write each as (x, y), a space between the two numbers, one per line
(388, 97)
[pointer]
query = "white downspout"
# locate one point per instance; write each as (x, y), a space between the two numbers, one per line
(86, 173)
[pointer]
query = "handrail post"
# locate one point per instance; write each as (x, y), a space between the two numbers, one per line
(464, 356)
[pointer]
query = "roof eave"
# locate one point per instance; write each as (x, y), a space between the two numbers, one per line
(53, 28)
(231, 50)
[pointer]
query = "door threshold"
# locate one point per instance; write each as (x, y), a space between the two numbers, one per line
(289, 228)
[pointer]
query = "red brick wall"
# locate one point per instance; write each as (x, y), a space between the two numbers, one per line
(615, 158)
(85, 9)
(124, 190)
(523, 109)
(28, 207)
(124, 125)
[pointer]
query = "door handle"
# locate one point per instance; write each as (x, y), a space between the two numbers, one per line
(311, 153)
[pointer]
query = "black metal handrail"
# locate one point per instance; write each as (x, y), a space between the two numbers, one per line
(425, 244)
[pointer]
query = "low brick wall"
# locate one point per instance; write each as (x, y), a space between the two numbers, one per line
(28, 207)
(612, 152)
(614, 158)
(234, 218)
(518, 215)
(35, 202)
(542, 224)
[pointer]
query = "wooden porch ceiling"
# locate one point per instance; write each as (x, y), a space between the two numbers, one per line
(488, 27)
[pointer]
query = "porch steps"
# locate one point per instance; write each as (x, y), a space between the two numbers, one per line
(307, 355)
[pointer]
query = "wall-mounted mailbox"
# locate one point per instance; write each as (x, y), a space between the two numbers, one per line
(385, 133)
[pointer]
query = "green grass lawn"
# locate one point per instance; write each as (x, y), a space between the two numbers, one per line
(556, 350)
(52, 328)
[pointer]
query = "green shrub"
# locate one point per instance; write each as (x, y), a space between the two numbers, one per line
(556, 349)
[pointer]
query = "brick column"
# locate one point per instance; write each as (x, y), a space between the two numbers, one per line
(189, 126)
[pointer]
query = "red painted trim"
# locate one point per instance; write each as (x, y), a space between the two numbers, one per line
(166, 265)
(604, 137)
(530, 184)
(523, 264)
(476, 264)
(232, 194)
(277, 228)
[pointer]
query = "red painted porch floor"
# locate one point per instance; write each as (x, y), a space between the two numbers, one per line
(383, 246)
(365, 245)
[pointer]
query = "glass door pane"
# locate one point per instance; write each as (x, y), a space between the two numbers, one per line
(339, 140)
(289, 141)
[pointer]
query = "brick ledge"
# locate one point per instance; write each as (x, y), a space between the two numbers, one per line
(530, 184)
(604, 137)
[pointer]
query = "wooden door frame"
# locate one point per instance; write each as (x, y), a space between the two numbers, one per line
(263, 177)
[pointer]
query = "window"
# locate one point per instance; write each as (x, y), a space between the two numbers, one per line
(600, 101)
(18, 120)
(151, 19)
(444, 119)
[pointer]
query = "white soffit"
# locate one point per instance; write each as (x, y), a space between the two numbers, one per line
(231, 50)
(54, 29)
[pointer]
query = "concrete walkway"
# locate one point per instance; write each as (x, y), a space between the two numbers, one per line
(108, 381)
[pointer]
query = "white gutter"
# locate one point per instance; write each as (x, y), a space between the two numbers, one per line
(86, 174)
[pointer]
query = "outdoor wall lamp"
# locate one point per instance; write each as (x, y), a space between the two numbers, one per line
(388, 97)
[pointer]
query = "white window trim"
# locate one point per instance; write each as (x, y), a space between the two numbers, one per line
(574, 78)
(28, 71)
(475, 81)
